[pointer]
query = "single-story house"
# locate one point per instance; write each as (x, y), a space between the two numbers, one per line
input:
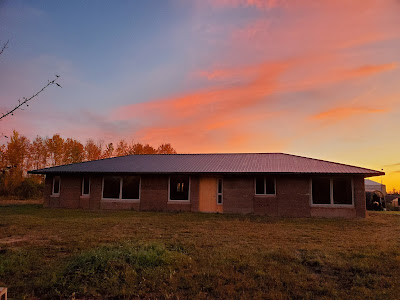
(273, 184)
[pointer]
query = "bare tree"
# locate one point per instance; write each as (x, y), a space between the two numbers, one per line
(24, 102)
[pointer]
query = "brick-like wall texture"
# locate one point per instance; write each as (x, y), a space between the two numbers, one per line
(238, 194)
(359, 197)
(154, 193)
(292, 197)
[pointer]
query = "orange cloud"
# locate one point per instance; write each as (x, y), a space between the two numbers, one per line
(371, 69)
(333, 76)
(201, 117)
(262, 82)
(341, 113)
(215, 116)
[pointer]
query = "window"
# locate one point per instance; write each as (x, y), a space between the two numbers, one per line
(179, 188)
(332, 191)
(85, 186)
(265, 185)
(321, 191)
(130, 187)
(121, 188)
(342, 193)
(56, 186)
(111, 187)
(219, 191)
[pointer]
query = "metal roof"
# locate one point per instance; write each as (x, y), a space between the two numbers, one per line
(210, 163)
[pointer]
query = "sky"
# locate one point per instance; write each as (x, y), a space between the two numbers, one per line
(314, 78)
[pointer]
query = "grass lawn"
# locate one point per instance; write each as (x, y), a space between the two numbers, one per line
(54, 253)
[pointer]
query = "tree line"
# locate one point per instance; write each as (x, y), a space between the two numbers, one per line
(20, 154)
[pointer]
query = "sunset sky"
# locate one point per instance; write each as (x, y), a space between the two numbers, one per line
(313, 78)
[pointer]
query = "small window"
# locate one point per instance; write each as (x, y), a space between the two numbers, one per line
(342, 193)
(111, 187)
(321, 191)
(130, 187)
(56, 186)
(265, 185)
(85, 186)
(179, 188)
(260, 185)
(219, 191)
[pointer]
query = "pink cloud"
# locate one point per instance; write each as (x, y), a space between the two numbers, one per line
(259, 4)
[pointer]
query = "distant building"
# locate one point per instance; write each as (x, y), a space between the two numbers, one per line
(375, 193)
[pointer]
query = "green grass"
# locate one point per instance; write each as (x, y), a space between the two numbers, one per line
(51, 253)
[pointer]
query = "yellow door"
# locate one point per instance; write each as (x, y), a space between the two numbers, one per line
(208, 195)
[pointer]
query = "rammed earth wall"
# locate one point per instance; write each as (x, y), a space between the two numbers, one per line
(292, 198)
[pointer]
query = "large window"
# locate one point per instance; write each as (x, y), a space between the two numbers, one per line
(219, 191)
(86, 186)
(342, 193)
(265, 185)
(130, 187)
(56, 186)
(179, 188)
(332, 191)
(321, 191)
(121, 188)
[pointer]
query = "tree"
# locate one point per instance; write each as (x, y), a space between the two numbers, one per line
(136, 148)
(73, 151)
(166, 149)
(55, 149)
(147, 149)
(122, 148)
(39, 152)
(92, 151)
(109, 151)
(17, 156)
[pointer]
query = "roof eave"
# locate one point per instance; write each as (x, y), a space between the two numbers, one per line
(365, 175)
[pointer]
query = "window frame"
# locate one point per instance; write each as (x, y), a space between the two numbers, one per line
(332, 203)
(120, 190)
(83, 189)
(265, 187)
(59, 186)
(169, 192)
(222, 191)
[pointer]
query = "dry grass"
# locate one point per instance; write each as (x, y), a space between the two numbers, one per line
(7, 201)
(65, 253)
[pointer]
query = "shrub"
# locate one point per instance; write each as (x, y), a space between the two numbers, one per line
(29, 189)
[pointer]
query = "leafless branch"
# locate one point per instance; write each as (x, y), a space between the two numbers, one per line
(26, 100)
(4, 47)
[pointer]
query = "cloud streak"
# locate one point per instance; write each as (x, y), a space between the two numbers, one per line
(341, 113)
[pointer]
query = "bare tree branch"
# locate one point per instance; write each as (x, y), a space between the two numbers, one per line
(4, 47)
(26, 100)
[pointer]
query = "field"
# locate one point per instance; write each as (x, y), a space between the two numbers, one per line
(48, 253)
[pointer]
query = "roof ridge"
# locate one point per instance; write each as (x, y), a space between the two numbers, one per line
(332, 162)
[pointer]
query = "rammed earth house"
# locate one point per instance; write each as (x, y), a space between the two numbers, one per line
(273, 184)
